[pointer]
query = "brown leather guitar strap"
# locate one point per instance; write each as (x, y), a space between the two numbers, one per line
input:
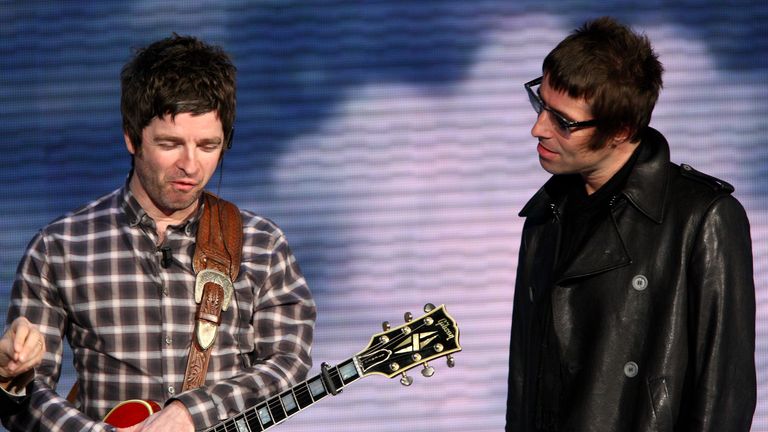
(216, 262)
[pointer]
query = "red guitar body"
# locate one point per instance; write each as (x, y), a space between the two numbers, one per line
(131, 412)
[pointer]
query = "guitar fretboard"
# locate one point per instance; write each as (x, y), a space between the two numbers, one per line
(278, 408)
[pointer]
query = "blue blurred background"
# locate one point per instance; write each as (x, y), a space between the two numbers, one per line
(391, 141)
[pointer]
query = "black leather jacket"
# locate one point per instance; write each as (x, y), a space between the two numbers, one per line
(654, 318)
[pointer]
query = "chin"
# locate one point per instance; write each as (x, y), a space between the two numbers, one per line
(548, 167)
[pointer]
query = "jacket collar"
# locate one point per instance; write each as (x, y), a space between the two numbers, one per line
(645, 189)
(646, 186)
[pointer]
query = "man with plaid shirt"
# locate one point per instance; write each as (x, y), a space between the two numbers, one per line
(115, 277)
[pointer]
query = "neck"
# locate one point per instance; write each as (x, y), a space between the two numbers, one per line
(597, 178)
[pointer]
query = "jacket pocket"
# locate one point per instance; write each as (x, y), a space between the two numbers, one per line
(661, 405)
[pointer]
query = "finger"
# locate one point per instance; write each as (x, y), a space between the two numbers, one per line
(20, 323)
(6, 353)
(32, 356)
(9, 368)
(23, 332)
(31, 345)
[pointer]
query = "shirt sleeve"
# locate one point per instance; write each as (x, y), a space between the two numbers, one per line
(722, 302)
(283, 319)
(12, 402)
(34, 296)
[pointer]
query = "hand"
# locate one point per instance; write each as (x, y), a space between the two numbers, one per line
(174, 417)
(21, 349)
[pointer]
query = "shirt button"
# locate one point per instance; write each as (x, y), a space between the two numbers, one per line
(640, 282)
(171, 390)
(631, 369)
(168, 340)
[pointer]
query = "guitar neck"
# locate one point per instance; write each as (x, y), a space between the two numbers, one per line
(299, 397)
(388, 353)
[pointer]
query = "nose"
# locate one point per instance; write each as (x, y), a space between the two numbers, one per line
(541, 127)
(187, 161)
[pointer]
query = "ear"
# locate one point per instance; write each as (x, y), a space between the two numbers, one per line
(620, 137)
(129, 145)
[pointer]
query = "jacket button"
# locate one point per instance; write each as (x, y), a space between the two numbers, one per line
(630, 369)
(639, 282)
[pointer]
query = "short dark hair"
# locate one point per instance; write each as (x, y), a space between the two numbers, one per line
(614, 69)
(178, 74)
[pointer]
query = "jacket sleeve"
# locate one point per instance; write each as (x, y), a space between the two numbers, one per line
(722, 317)
(283, 319)
(34, 297)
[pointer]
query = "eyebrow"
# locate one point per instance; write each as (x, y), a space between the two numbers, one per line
(176, 139)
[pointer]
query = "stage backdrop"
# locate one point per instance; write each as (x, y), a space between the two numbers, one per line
(391, 141)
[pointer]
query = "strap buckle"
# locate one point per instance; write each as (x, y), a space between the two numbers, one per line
(209, 275)
(208, 324)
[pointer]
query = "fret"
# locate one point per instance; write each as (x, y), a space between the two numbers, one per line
(276, 408)
(302, 395)
(253, 422)
(348, 372)
(242, 424)
(336, 378)
(246, 421)
(317, 388)
(264, 416)
(289, 403)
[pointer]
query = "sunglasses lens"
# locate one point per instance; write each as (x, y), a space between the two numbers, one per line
(535, 102)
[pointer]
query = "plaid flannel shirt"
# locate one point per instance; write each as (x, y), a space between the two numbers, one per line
(95, 276)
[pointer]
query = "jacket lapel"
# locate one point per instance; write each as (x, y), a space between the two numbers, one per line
(602, 252)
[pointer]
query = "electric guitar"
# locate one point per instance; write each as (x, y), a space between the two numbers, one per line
(389, 353)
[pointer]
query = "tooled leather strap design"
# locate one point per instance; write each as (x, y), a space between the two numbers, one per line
(216, 262)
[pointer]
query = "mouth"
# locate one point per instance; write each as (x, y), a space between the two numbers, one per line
(545, 152)
(183, 185)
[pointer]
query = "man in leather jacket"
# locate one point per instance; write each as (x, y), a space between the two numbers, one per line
(634, 303)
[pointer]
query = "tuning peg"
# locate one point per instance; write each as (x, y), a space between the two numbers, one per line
(428, 370)
(408, 317)
(451, 361)
(385, 325)
(429, 307)
(406, 380)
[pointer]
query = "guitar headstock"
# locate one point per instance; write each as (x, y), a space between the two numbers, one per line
(416, 342)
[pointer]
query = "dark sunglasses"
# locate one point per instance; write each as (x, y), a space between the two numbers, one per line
(563, 124)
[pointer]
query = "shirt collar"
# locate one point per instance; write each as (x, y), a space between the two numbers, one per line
(137, 216)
